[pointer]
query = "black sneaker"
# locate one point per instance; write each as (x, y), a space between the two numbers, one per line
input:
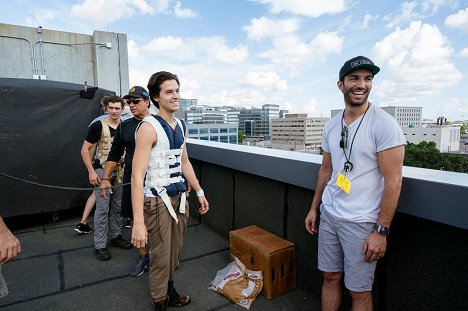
(160, 305)
(103, 254)
(121, 243)
(82, 228)
(175, 299)
(141, 265)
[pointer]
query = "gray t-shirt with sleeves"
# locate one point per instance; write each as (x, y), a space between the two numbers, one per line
(378, 132)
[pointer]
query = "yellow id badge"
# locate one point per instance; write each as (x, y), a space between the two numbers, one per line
(344, 183)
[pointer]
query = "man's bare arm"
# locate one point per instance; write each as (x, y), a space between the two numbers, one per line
(87, 157)
(145, 140)
(323, 176)
(192, 180)
(10, 247)
(391, 166)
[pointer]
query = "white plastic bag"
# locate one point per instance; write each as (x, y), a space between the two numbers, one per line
(238, 283)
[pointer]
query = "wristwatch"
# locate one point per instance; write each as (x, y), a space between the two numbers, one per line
(381, 229)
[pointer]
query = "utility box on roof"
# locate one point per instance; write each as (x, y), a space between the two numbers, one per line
(263, 251)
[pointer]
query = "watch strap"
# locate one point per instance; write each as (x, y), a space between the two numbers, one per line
(382, 229)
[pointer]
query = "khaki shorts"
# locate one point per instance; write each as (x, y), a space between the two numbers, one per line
(340, 249)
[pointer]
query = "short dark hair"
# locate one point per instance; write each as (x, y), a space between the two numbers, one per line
(155, 81)
(113, 99)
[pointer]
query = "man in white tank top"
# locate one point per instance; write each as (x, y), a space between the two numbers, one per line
(160, 209)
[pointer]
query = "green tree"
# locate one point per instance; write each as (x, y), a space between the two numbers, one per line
(240, 136)
(464, 129)
(426, 155)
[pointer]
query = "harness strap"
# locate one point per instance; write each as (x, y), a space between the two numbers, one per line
(183, 199)
(163, 182)
(167, 200)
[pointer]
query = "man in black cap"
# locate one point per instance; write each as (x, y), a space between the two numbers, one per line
(357, 189)
(124, 146)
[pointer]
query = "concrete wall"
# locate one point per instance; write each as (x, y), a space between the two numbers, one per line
(100, 59)
(425, 265)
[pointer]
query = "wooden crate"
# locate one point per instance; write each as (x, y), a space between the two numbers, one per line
(261, 250)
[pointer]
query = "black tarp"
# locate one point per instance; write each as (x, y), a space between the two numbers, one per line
(42, 127)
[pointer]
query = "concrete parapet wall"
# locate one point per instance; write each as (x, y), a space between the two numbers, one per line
(100, 59)
(425, 266)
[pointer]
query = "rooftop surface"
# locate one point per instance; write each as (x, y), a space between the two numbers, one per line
(57, 270)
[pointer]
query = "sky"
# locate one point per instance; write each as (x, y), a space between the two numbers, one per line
(286, 52)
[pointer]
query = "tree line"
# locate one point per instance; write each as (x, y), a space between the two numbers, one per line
(426, 155)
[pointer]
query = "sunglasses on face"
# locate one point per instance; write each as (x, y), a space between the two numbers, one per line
(134, 101)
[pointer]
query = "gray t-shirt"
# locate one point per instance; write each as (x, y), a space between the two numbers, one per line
(378, 132)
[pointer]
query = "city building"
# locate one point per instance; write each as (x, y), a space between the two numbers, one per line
(283, 112)
(255, 122)
(250, 122)
(270, 111)
(405, 116)
(185, 105)
(220, 132)
(206, 122)
(297, 132)
(233, 113)
(447, 138)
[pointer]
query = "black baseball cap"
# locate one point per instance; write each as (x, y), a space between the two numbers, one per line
(137, 92)
(356, 63)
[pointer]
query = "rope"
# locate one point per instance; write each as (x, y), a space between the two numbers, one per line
(58, 187)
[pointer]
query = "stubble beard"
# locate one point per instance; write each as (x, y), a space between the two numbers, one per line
(355, 103)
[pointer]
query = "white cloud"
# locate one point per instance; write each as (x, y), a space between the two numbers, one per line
(133, 50)
(202, 49)
(367, 18)
(42, 17)
(100, 12)
(306, 8)
(266, 80)
(326, 43)
(241, 97)
(406, 13)
(203, 64)
(464, 52)
(433, 6)
(418, 61)
(168, 43)
(234, 55)
(162, 6)
(263, 28)
(293, 54)
(458, 20)
(213, 49)
(311, 107)
(182, 12)
(417, 10)
(455, 107)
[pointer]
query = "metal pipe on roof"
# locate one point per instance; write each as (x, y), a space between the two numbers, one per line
(68, 44)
